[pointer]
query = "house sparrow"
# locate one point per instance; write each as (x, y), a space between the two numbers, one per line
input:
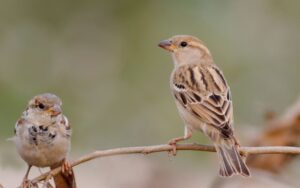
(203, 99)
(43, 138)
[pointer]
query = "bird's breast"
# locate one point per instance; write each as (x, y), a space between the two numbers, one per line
(41, 145)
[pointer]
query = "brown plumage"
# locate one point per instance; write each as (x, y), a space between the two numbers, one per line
(203, 99)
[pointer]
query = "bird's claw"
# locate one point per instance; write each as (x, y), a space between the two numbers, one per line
(172, 143)
(25, 184)
(66, 168)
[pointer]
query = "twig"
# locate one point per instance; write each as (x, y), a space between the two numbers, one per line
(162, 148)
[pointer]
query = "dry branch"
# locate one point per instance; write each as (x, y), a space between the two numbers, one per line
(167, 148)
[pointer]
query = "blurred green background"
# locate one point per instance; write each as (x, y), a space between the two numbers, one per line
(101, 57)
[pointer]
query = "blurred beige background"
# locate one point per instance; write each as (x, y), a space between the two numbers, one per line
(101, 57)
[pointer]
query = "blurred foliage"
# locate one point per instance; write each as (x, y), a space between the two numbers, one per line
(101, 58)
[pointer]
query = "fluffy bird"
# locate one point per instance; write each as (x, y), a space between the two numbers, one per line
(43, 138)
(203, 99)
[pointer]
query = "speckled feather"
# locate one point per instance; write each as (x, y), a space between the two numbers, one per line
(43, 135)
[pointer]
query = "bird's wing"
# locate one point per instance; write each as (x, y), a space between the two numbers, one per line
(65, 126)
(203, 91)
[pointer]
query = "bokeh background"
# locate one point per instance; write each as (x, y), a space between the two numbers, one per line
(101, 57)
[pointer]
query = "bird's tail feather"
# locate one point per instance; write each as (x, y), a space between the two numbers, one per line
(231, 161)
(64, 180)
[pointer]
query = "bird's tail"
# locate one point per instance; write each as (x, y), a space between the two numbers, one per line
(64, 180)
(230, 160)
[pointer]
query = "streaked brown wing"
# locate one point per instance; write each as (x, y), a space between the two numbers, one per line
(214, 110)
(206, 95)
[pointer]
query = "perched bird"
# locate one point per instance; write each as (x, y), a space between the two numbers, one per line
(43, 138)
(203, 99)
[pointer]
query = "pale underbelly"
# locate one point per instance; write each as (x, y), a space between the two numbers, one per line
(43, 154)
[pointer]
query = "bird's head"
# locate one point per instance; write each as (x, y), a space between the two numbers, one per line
(186, 49)
(46, 104)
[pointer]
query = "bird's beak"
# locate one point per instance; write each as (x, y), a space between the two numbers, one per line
(167, 45)
(55, 110)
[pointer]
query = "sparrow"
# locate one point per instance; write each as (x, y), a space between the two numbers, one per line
(204, 101)
(43, 138)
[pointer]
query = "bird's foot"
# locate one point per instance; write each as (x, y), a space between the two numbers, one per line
(26, 183)
(173, 144)
(66, 168)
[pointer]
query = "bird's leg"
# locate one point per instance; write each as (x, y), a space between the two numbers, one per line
(173, 142)
(236, 142)
(66, 168)
(238, 146)
(25, 182)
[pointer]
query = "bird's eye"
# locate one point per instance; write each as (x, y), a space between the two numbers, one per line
(41, 106)
(183, 44)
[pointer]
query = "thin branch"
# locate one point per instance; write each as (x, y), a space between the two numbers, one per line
(162, 148)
